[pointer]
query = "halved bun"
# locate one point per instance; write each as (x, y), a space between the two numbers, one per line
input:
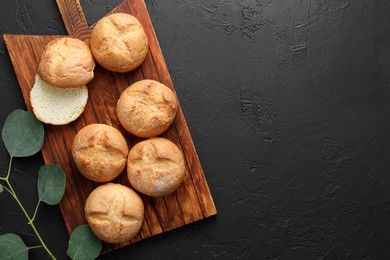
(57, 106)
(67, 63)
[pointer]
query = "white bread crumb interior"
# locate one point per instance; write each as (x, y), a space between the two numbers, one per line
(57, 106)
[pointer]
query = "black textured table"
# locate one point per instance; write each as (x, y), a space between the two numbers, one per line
(288, 104)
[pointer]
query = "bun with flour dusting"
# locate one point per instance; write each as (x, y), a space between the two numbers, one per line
(60, 94)
(155, 166)
(67, 63)
(99, 152)
(147, 108)
(114, 212)
(119, 42)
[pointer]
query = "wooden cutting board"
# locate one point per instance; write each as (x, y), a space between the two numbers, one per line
(191, 202)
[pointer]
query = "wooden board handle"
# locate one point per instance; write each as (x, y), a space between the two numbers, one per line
(74, 19)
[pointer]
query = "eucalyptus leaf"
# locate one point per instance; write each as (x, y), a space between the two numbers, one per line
(83, 244)
(12, 247)
(22, 134)
(51, 184)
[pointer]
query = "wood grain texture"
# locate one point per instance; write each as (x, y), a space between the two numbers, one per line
(191, 202)
(74, 19)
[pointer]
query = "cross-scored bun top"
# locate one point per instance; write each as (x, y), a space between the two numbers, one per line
(99, 152)
(119, 42)
(147, 108)
(155, 167)
(114, 212)
(67, 63)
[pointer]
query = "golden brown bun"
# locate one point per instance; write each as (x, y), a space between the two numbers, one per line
(114, 212)
(119, 42)
(155, 167)
(146, 108)
(67, 63)
(99, 152)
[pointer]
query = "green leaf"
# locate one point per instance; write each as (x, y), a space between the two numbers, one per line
(1, 188)
(12, 247)
(83, 244)
(51, 184)
(22, 134)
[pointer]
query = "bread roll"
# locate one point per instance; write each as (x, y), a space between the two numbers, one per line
(147, 108)
(57, 106)
(155, 167)
(114, 212)
(67, 63)
(99, 152)
(119, 42)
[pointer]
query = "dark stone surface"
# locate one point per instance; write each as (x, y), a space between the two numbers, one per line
(288, 103)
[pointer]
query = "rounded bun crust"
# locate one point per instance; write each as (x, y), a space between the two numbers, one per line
(67, 63)
(114, 212)
(155, 167)
(119, 42)
(146, 108)
(99, 152)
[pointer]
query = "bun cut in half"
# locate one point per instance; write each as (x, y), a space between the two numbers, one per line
(57, 106)
(119, 42)
(114, 212)
(67, 63)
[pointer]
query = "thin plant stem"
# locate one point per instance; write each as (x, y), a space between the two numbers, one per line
(35, 211)
(30, 221)
(34, 247)
(9, 191)
(9, 168)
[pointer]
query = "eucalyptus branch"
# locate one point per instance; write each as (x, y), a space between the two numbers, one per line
(30, 220)
(23, 136)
